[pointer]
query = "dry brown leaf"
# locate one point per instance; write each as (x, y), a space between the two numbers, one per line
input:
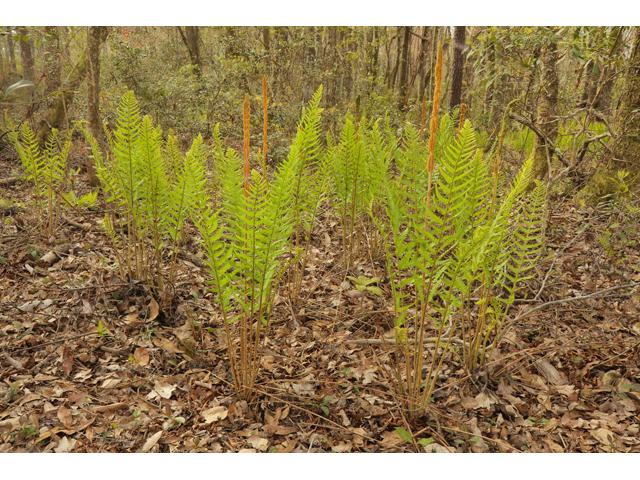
(215, 414)
(468, 403)
(604, 436)
(67, 360)
(154, 309)
(64, 415)
(345, 420)
(86, 308)
(151, 441)
(291, 444)
(258, 443)
(141, 356)
(167, 345)
(111, 408)
(163, 388)
(550, 373)
(484, 400)
(65, 445)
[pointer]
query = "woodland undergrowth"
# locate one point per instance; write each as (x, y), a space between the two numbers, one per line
(457, 240)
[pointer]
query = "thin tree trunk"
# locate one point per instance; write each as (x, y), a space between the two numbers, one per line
(626, 150)
(396, 67)
(547, 108)
(52, 60)
(403, 67)
(459, 38)
(94, 44)
(12, 52)
(424, 68)
(191, 39)
(26, 55)
(57, 112)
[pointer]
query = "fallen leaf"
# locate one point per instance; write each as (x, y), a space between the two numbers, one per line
(303, 388)
(154, 309)
(86, 307)
(65, 445)
(141, 356)
(390, 440)
(345, 420)
(64, 415)
(163, 388)
(291, 444)
(110, 408)
(151, 441)
(215, 414)
(604, 436)
(67, 360)
(484, 401)
(566, 389)
(468, 403)
(259, 443)
(167, 345)
(550, 373)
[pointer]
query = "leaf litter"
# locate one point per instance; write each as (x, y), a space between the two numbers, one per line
(92, 363)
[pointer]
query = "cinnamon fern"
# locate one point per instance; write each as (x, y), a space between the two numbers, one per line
(246, 236)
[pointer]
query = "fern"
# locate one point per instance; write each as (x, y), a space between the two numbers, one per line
(445, 246)
(47, 170)
(147, 194)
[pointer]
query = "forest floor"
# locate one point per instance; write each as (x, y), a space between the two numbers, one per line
(91, 363)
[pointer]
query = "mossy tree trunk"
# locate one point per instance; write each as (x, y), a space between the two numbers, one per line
(626, 150)
(57, 112)
(547, 107)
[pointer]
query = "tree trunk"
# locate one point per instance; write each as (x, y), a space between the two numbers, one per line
(12, 53)
(94, 44)
(57, 112)
(191, 39)
(403, 67)
(626, 150)
(26, 55)
(424, 67)
(332, 68)
(396, 67)
(459, 38)
(52, 59)
(547, 107)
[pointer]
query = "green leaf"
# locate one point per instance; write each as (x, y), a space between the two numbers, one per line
(425, 441)
(474, 439)
(404, 435)
(16, 86)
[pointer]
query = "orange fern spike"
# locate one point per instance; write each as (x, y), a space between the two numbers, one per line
(246, 122)
(265, 103)
(436, 108)
(463, 110)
